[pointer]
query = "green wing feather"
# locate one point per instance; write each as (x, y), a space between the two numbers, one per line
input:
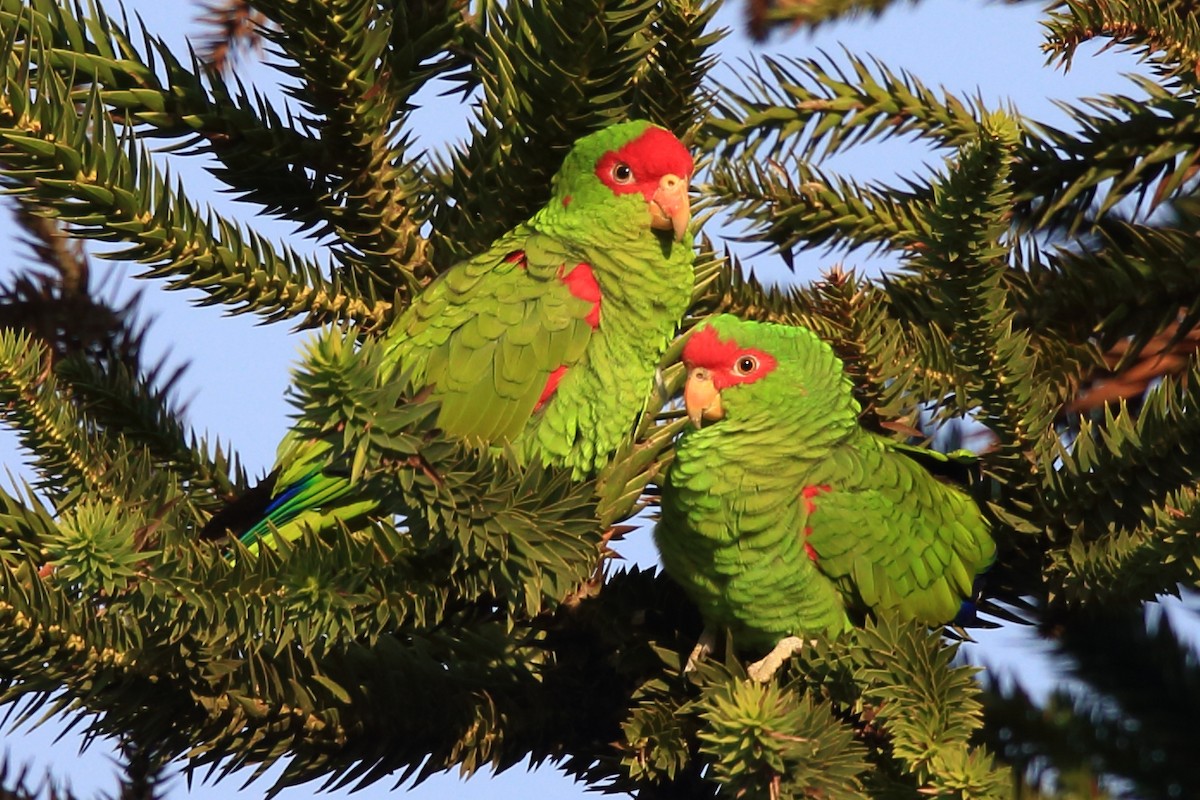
(485, 337)
(891, 536)
(488, 334)
(309, 496)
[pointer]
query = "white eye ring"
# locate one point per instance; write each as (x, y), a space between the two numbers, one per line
(745, 365)
(622, 173)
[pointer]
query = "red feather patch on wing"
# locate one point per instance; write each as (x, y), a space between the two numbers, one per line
(723, 359)
(809, 492)
(517, 257)
(810, 506)
(650, 156)
(552, 381)
(581, 282)
(808, 548)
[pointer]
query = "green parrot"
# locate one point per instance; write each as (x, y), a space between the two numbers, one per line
(783, 519)
(547, 341)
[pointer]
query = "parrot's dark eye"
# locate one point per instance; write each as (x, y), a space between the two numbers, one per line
(746, 365)
(622, 173)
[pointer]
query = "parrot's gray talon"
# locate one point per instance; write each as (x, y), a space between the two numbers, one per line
(763, 670)
(702, 650)
(660, 386)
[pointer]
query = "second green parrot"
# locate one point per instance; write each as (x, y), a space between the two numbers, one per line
(547, 341)
(784, 519)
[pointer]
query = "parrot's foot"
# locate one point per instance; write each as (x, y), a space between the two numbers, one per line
(764, 669)
(702, 650)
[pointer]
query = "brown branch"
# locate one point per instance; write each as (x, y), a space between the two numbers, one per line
(234, 28)
(55, 304)
(1167, 353)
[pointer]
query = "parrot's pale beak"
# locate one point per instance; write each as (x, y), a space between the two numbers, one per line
(670, 207)
(701, 399)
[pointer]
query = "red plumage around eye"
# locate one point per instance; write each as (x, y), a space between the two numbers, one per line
(729, 363)
(656, 153)
(647, 158)
(705, 348)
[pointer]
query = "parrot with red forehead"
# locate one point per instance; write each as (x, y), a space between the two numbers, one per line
(547, 341)
(785, 520)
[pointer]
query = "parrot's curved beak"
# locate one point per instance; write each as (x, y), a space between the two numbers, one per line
(670, 207)
(701, 398)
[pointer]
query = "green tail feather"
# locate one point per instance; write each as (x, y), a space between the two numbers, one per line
(310, 502)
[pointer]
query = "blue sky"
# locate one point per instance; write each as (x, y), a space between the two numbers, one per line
(238, 370)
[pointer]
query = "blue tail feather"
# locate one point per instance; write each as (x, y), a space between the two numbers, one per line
(287, 505)
(968, 612)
